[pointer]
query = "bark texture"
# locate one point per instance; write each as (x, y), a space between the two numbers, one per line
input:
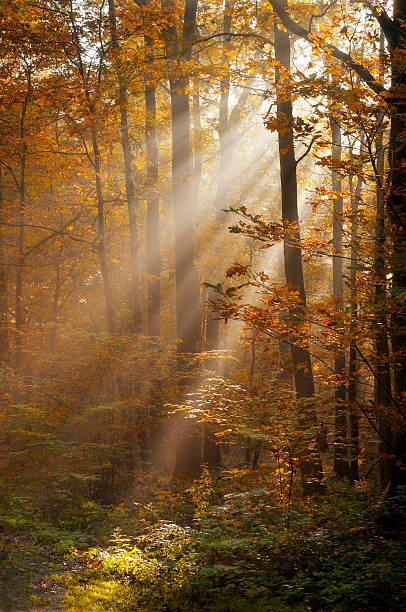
(310, 463)
(352, 359)
(153, 228)
(341, 466)
(135, 280)
(4, 331)
(188, 310)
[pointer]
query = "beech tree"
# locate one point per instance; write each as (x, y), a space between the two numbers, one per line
(393, 32)
(310, 466)
(135, 282)
(188, 457)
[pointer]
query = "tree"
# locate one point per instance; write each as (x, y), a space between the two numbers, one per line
(153, 229)
(135, 280)
(4, 330)
(340, 449)
(188, 316)
(352, 358)
(396, 199)
(310, 464)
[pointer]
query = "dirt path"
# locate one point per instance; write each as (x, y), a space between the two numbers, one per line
(32, 575)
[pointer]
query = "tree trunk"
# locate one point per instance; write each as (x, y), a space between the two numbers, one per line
(188, 311)
(341, 466)
(395, 201)
(153, 230)
(228, 136)
(310, 463)
(84, 72)
(101, 227)
(225, 138)
(19, 313)
(4, 333)
(135, 279)
(197, 128)
(211, 454)
(396, 204)
(56, 301)
(223, 174)
(211, 449)
(383, 374)
(352, 361)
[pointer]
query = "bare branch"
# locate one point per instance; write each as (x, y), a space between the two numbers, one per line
(308, 149)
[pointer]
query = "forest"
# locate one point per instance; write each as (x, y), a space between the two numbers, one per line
(202, 305)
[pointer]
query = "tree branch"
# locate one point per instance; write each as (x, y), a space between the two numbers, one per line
(346, 59)
(308, 149)
(44, 240)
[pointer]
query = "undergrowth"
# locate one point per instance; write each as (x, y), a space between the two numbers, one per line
(244, 549)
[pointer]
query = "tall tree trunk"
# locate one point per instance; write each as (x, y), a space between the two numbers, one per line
(197, 128)
(211, 450)
(352, 360)
(225, 161)
(225, 137)
(153, 230)
(83, 72)
(383, 381)
(341, 466)
(397, 211)
(153, 248)
(4, 333)
(56, 303)
(101, 229)
(135, 279)
(188, 311)
(228, 136)
(19, 312)
(310, 463)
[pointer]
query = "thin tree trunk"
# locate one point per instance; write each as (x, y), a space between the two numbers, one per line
(228, 136)
(225, 138)
(101, 228)
(197, 128)
(153, 230)
(4, 333)
(310, 463)
(101, 246)
(352, 361)
(56, 306)
(211, 448)
(135, 279)
(383, 374)
(396, 204)
(224, 167)
(19, 313)
(153, 248)
(341, 466)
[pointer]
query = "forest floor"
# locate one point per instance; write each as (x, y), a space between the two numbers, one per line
(32, 573)
(225, 545)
